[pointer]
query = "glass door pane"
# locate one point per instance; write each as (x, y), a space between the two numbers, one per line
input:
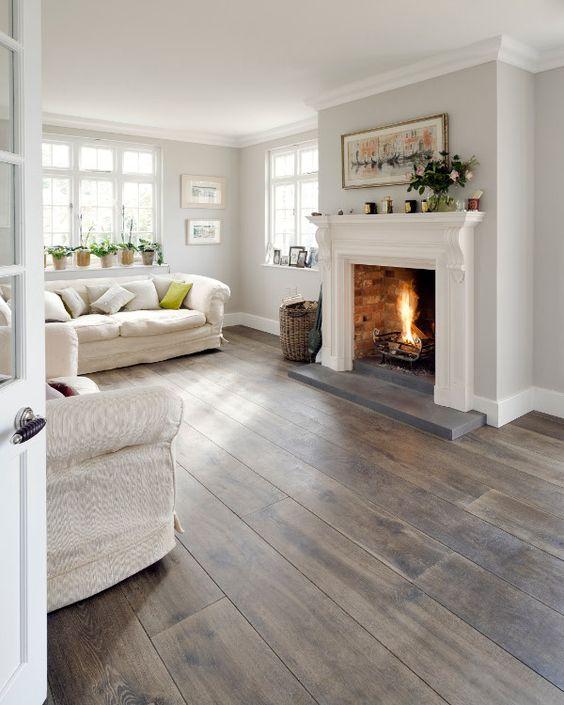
(7, 231)
(6, 101)
(6, 15)
(7, 371)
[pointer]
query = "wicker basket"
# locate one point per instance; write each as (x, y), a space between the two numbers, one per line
(296, 320)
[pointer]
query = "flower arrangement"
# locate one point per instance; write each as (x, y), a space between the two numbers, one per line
(439, 175)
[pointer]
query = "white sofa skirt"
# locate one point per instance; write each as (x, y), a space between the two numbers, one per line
(122, 352)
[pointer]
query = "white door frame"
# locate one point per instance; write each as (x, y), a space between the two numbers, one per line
(23, 663)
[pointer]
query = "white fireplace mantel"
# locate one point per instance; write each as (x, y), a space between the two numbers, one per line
(440, 241)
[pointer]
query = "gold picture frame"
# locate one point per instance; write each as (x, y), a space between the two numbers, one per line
(384, 155)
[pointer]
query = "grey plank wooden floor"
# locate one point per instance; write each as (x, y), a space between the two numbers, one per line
(331, 556)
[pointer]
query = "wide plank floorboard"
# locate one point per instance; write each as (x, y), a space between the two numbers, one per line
(331, 556)
(216, 657)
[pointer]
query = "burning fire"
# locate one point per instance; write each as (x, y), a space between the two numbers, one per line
(407, 309)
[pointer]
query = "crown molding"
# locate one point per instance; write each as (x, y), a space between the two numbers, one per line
(501, 48)
(551, 59)
(81, 123)
(277, 133)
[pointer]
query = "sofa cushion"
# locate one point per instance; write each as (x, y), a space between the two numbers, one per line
(115, 298)
(135, 324)
(95, 326)
(175, 295)
(145, 295)
(54, 308)
(73, 302)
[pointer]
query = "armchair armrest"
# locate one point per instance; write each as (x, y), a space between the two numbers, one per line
(207, 295)
(61, 350)
(83, 427)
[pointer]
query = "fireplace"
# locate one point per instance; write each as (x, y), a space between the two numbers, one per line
(394, 317)
(434, 252)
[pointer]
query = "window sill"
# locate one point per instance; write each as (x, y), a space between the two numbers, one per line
(98, 271)
(287, 266)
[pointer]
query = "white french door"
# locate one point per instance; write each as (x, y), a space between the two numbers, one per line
(22, 376)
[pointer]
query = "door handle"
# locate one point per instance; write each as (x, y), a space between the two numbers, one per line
(27, 425)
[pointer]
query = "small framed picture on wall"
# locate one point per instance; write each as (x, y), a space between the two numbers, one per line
(203, 232)
(203, 191)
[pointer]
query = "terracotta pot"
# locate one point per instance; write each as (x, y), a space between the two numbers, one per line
(82, 258)
(108, 260)
(59, 263)
(148, 257)
(126, 257)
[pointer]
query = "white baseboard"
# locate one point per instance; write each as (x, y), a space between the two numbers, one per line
(549, 401)
(533, 399)
(267, 325)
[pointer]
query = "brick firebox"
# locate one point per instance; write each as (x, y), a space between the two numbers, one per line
(376, 289)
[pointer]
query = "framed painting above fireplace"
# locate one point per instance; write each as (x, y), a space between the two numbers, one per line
(385, 155)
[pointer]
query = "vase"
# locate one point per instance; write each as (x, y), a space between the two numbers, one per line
(107, 260)
(126, 257)
(148, 257)
(59, 262)
(441, 203)
(82, 258)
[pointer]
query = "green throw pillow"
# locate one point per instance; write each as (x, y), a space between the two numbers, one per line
(175, 295)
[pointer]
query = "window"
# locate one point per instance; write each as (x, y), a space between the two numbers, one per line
(106, 185)
(293, 195)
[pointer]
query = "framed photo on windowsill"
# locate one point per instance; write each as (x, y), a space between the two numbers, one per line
(294, 255)
(203, 191)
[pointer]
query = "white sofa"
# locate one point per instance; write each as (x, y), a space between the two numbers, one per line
(110, 478)
(133, 337)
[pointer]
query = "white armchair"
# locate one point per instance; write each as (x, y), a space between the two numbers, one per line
(110, 481)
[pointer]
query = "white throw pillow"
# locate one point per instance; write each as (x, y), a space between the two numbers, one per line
(145, 295)
(54, 308)
(161, 285)
(94, 293)
(5, 313)
(113, 299)
(73, 301)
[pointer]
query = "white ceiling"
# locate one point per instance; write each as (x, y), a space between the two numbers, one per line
(231, 68)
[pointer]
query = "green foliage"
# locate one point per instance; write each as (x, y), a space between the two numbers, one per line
(127, 246)
(103, 248)
(59, 251)
(440, 174)
(148, 246)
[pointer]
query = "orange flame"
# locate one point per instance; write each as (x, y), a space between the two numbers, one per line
(407, 309)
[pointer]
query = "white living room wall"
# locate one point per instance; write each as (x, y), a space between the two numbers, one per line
(470, 99)
(264, 287)
(218, 261)
(548, 370)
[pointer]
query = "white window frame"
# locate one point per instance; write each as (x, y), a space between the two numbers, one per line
(117, 176)
(297, 179)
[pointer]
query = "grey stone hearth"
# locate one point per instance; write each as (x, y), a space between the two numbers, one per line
(412, 406)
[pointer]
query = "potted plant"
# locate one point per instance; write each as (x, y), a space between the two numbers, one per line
(59, 254)
(127, 248)
(106, 251)
(45, 253)
(83, 251)
(148, 251)
(439, 175)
